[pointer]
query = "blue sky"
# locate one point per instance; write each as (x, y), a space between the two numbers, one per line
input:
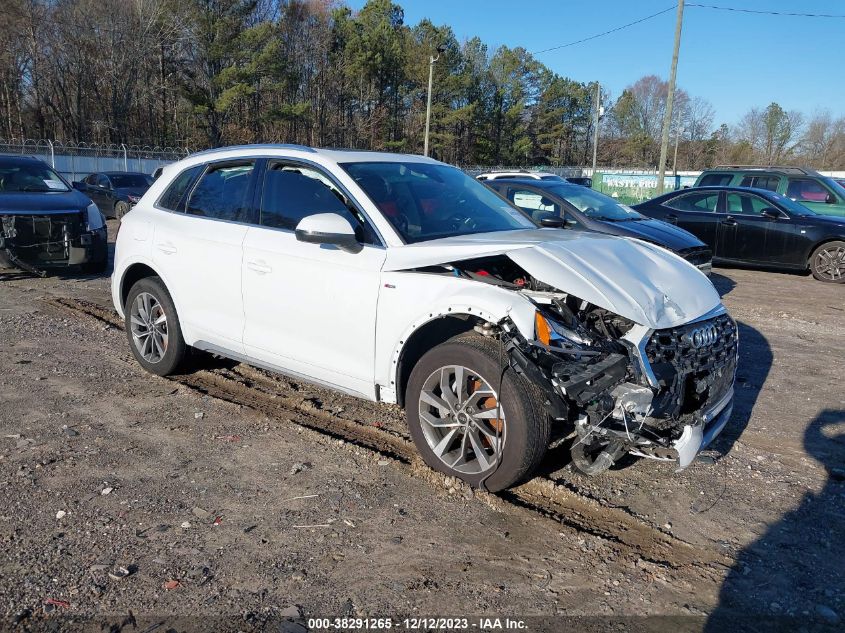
(737, 61)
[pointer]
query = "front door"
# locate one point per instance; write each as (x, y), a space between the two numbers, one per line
(310, 308)
(747, 235)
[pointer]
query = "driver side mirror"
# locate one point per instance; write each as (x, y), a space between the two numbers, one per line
(830, 199)
(771, 213)
(328, 228)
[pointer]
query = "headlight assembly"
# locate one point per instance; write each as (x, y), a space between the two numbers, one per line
(94, 218)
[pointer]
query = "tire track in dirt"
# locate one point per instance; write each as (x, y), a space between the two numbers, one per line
(275, 398)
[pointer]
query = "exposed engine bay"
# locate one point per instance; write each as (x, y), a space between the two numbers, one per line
(616, 387)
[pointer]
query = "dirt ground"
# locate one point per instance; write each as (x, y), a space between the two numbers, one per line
(238, 500)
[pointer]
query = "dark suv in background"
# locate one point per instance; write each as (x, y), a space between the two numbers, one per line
(115, 192)
(818, 193)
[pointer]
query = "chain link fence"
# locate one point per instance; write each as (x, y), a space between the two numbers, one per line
(74, 161)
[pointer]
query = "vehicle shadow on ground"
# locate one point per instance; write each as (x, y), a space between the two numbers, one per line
(792, 577)
(723, 284)
(755, 362)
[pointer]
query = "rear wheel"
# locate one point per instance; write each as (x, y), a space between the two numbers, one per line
(473, 418)
(152, 327)
(827, 262)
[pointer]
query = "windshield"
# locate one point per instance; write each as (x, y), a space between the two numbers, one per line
(119, 181)
(595, 205)
(790, 205)
(36, 177)
(426, 202)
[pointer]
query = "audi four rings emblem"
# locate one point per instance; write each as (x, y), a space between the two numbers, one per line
(702, 337)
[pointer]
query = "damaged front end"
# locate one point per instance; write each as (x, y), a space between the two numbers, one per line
(617, 387)
(38, 240)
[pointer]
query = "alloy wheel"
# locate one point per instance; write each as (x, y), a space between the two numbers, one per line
(830, 263)
(149, 327)
(462, 420)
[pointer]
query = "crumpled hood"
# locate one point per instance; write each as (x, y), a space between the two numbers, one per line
(639, 281)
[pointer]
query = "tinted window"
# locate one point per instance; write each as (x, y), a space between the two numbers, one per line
(222, 193)
(806, 190)
(746, 204)
(761, 182)
(102, 181)
(702, 202)
(292, 192)
(131, 180)
(425, 202)
(91, 179)
(173, 198)
(715, 180)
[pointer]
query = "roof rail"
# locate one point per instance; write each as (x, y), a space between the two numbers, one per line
(784, 169)
(256, 146)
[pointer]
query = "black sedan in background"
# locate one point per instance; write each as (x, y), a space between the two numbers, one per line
(581, 208)
(756, 227)
(115, 192)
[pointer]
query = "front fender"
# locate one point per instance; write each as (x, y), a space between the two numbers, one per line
(399, 313)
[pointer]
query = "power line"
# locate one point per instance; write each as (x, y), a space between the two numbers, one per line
(618, 28)
(761, 12)
(700, 6)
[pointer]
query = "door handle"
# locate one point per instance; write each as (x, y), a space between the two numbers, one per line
(259, 266)
(729, 221)
(672, 218)
(166, 247)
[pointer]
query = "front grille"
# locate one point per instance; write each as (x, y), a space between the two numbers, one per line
(697, 256)
(693, 377)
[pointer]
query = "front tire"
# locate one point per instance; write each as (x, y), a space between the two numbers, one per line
(827, 263)
(460, 425)
(152, 327)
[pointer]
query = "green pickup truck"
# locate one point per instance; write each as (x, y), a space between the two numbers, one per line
(818, 193)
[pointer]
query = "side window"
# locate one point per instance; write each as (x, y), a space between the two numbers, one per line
(102, 181)
(90, 179)
(222, 193)
(533, 203)
(715, 180)
(173, 198)
(291, 192)
(746, 204)
(761, 182)
(700, 202)
(806, 190)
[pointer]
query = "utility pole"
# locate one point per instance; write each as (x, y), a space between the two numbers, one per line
(678, 133)
(670, 97)
(596, 128)
(431, 60)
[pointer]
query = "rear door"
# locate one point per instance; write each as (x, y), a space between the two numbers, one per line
(695, 212)
(200, 250)
(747, 235)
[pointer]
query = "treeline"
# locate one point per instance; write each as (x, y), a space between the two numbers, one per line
(202, 73)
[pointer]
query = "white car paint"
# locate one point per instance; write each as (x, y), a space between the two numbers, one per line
(341, 318)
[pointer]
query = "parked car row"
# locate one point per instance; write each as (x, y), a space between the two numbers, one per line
(785, 218)
(47, 223)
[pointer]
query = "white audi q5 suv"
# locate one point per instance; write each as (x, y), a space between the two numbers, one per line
(400, 279)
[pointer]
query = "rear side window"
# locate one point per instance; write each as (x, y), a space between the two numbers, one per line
(173, 198)
(291, 192)
(806, 190)
(761, 182)
(715, 180)
(701, 202)
(746, 204)
(223, 193)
